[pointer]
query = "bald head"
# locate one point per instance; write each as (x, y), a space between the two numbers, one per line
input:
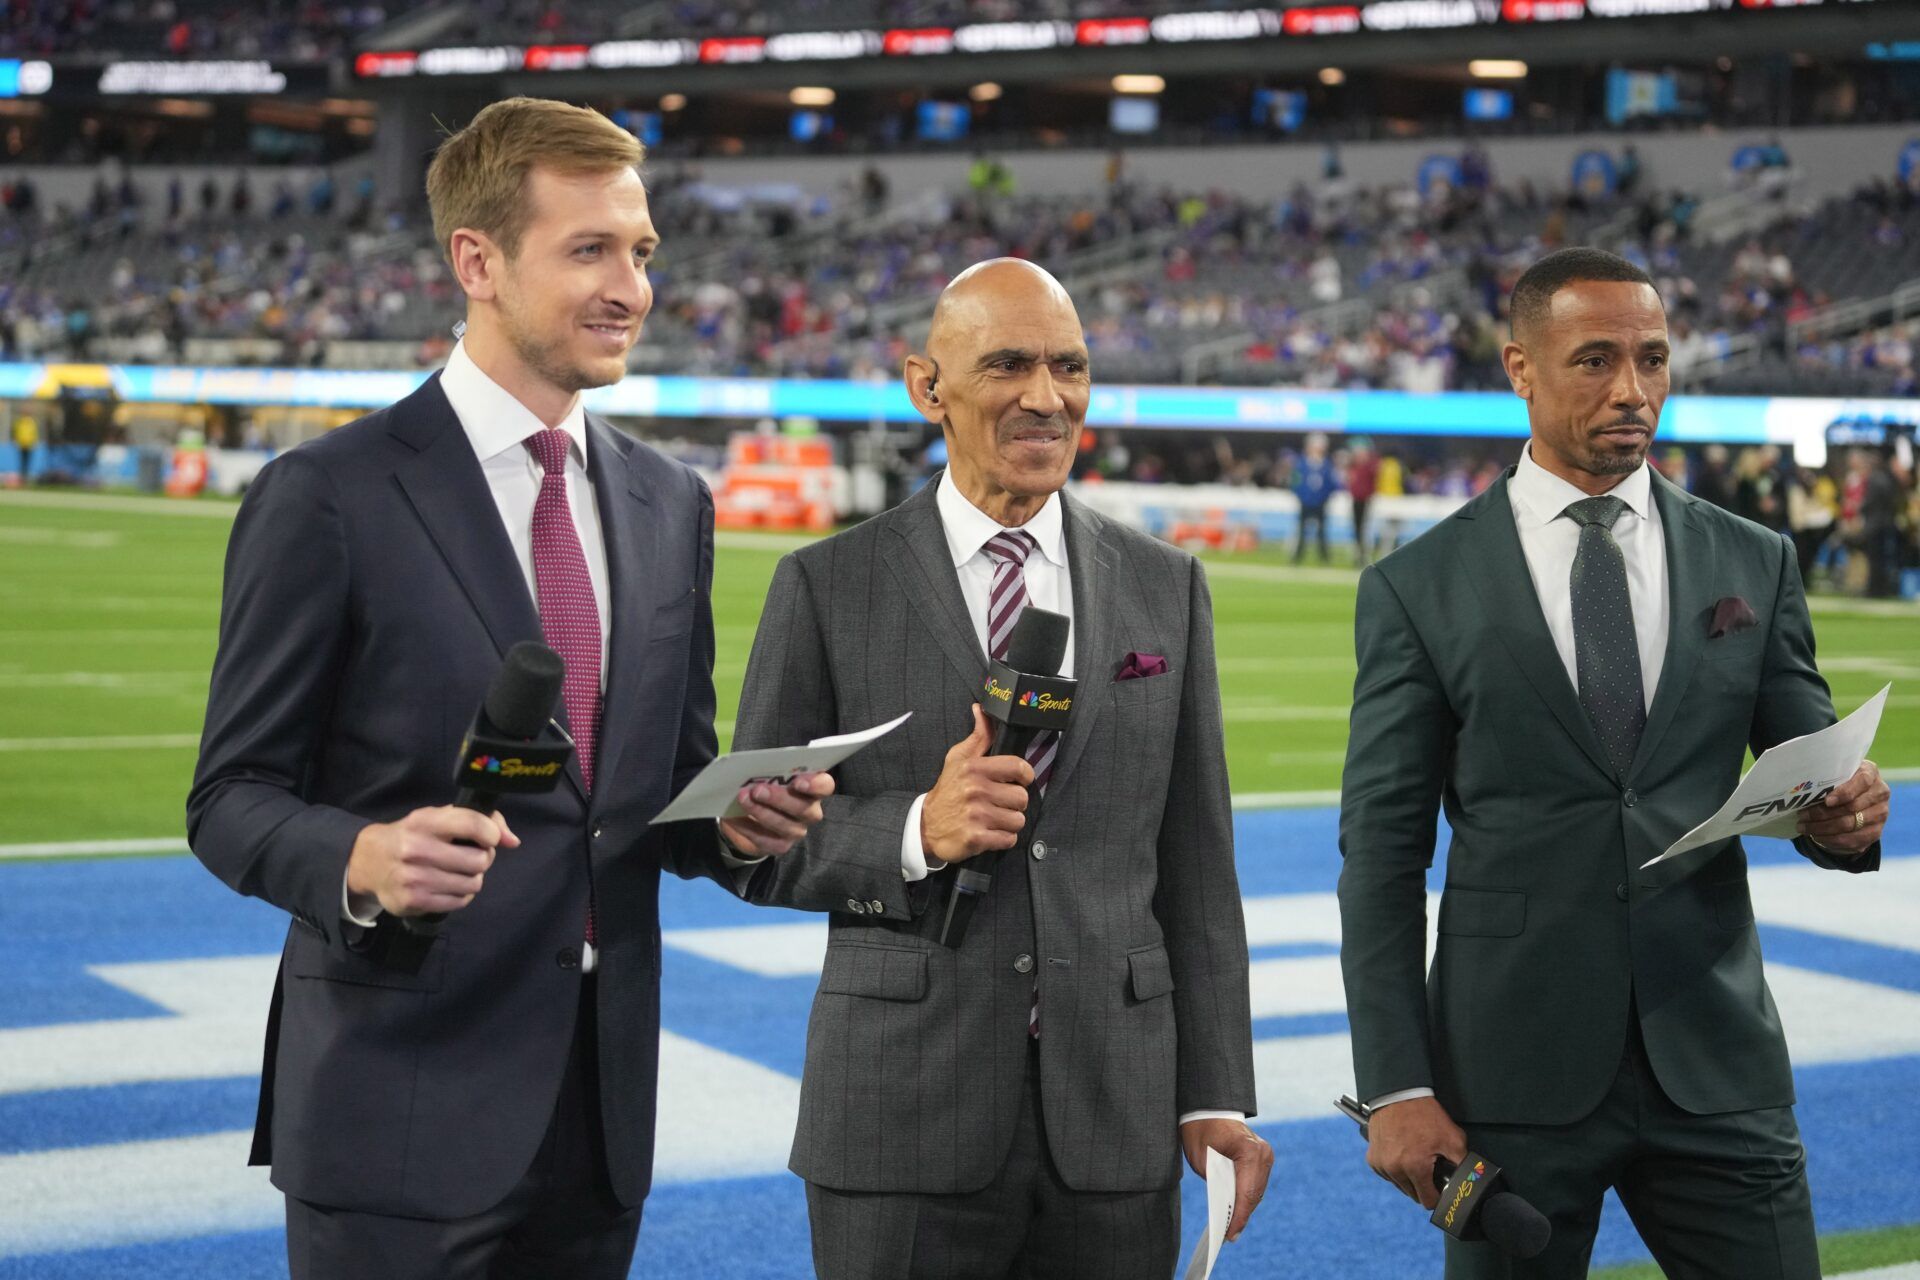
(987, 293)
(1005, 376)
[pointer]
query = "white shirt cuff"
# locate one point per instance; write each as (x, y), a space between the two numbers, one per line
(913, 856)
(1405, 1095)
(1191, 1116)
(734, 861)
(360, 909)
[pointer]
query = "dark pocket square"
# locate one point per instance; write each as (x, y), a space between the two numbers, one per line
(1135, 666)
(1731, 615)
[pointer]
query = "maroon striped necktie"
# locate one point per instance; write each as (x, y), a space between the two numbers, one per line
(1008, 550)
(569, 616)
(1005, 599)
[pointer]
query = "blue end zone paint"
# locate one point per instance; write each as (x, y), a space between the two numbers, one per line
(1856, 1118)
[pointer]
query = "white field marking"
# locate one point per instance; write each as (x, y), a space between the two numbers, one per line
(1899, 1271)
(770, 950)
(1834, 1019)
(104, 635)
(1900, 775)
(1237, 711)
(1286, 799)
(1282, 573)
(109, 742)
(1883, 909)
(72, 539)
(215, 1015)
(174, 1188)
(747, 1137)
(130, 1192)
(764, 541)
(132, 681)
(114, 502)
(92, 848)
(1886, 668)
(1864, 608)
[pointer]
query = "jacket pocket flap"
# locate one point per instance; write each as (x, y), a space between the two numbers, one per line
(1151, 972)
(1483, 913)
(308, 957)
(884, 973)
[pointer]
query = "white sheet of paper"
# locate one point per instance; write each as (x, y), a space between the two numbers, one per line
(1802, 766)
(1206, 1250)
(714, 794)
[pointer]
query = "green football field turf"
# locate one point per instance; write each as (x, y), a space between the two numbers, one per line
(108, 609)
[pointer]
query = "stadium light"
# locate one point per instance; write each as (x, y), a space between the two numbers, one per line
(673, 101)
(986, 91)
(1497, 69)
(1138, 84)
(811, 96)
(1331, 76)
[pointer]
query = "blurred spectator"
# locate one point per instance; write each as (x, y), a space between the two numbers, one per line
(1314, 483)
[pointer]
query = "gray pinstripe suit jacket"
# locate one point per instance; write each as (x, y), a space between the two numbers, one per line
(1132, 920)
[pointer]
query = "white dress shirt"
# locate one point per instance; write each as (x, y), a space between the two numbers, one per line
(1049, 586)
(497, 426)
(1548, 539)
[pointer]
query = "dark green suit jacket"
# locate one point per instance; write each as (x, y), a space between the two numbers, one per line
(1549, 934)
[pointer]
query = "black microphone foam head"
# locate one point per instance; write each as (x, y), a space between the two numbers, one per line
(1038, 645)
(1513, 1226)
(520, 699)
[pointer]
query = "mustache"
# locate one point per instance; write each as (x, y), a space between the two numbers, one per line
(1027, 422)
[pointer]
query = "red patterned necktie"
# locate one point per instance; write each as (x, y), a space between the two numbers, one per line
(569, 616)
(1007, 596)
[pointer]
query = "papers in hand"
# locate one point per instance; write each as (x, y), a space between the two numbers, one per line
(1793, 776)
(715, 793)
(1206, 1250)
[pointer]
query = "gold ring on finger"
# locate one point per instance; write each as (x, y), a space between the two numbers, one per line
(1859, 819)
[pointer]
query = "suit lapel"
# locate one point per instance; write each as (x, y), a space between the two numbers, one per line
(1492, 561)
(1689, 586)
(925, 573)
(634, 593)
(448, 491)
(1094, 574)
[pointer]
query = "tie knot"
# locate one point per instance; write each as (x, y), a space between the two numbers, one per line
(550, 447)
(1010, 544)
(1602, 511)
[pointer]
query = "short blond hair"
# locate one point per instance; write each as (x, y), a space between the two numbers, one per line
(478, 178)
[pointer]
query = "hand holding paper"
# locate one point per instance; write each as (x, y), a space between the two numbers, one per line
(1798, 777)
(1850, 820)
(1206, 1250)
(722, 786)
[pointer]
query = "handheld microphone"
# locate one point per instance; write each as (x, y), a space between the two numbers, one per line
(502, 753)
(1472, 1204)
(1028, 697)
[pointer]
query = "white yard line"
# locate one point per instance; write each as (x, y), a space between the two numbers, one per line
(105, 742)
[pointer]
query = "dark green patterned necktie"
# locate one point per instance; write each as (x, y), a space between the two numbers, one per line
(1606, 651)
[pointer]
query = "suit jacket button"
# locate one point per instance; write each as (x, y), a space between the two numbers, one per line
(1039, 850)
(567, 958)
(597, 831)
(1023, 964)
(878, 907)
(856, 906)
(1631, 798)
(1620, 892)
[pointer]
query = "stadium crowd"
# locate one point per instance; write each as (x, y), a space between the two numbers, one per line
(1334, 285)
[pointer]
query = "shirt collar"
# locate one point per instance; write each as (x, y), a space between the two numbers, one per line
(494, 421)
(1544, 495)
(968, 527)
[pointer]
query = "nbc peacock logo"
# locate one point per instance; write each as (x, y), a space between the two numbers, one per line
(485, 764)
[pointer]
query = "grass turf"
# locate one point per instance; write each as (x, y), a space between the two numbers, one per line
(107, 626)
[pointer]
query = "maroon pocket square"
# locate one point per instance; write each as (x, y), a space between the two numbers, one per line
(1731, 616)
(1136, 666)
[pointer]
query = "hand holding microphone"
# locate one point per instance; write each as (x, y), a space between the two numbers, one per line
(1464, 1191)
(980, 802)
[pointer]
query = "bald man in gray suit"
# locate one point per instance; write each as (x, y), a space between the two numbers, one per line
(1016, 1105)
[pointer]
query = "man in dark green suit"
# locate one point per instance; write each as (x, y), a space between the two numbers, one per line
(1574, 665)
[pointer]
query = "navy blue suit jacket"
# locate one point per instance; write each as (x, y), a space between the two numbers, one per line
(370, 594)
